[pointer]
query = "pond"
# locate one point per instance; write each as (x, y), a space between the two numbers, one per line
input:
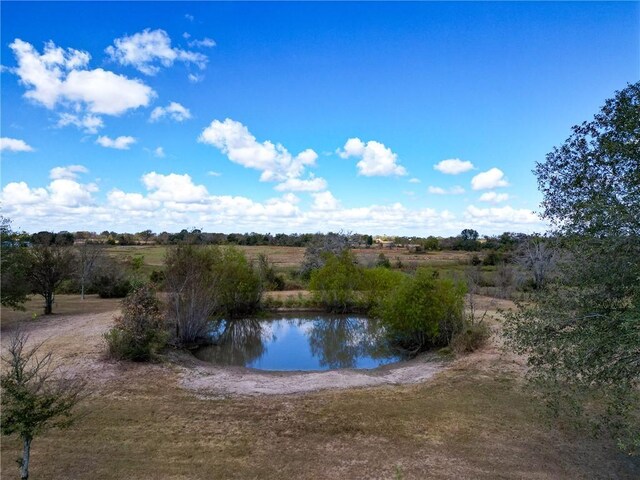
(313, 342)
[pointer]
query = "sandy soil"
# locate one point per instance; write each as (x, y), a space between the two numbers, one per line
(209, 380)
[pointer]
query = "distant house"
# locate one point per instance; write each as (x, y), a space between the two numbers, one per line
(384, 243)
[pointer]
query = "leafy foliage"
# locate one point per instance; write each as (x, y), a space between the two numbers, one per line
(335, 285)
(140, 332)
(49, 265)
(34, 397)
(14, 265)
(581, 331)
(423, 311)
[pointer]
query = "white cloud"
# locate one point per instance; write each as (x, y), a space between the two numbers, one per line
(376, 158)
(69, 193)
(174, 110)
(148, 50)
(174, 188)
(453, 166)
(325, 201)
(211, 173)
(159, 152)
(119, 143)
(89, 123)
(492, 178)
(456, 190)
(131, 201)
(299, 185)
(59, 76)
(204, 43)
(19, 193)
(14, 145)
(505, 216)
(189, 17)
(193, 78)
(69, 172)
(494, 197)
(414, 180)
(273, 160)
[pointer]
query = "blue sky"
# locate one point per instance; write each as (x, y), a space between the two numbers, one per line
(396, 118)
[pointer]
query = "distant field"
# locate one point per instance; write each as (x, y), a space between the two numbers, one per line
(289, 258)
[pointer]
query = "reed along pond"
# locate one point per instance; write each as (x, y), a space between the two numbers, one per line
(300, 342)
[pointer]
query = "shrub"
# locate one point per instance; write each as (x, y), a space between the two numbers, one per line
(335, 285)
(191, 283)
(470, 338)
(383, 261)
(240, 291)
(376, 284)
(423, 311)
(110, 280)
(139, 333)
(208, 282)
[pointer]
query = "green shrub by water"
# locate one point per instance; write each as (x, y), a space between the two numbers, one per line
(423, 311)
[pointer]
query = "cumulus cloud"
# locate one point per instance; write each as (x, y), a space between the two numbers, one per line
(14, 145)
(453, 166)
(193, 78)
(174, 188)
(174, 111)
(131, 201)
(240, 146)
(59, 76)
(19, 193)
(375, 158)
(501, 216)
(414, 180)
(149, 50)
(456, 190)
(119, 143)
(492, 178)
(494, 197)
(325, 201)
(63, 191)
(211, 173)
(88, 123)
(69, 172)
(299, 185)
(159, 152)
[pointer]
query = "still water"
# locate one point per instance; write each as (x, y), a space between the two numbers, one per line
(315, 342)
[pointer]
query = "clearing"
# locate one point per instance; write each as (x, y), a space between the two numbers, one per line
(185, 419)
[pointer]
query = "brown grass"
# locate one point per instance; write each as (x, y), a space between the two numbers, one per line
(472, 421)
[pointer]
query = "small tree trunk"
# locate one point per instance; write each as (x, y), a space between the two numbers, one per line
(48, 303)
(24, 465)
(82, 290)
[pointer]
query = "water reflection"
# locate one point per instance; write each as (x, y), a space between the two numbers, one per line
(299, 343)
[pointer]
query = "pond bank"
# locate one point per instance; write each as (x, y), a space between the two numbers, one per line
(208, 380)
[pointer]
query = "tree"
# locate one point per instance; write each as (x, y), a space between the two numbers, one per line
(590, 183)
(318, 248)
(537, 256)
(581, 331)
(191, 282)
(14, 265)
(89, 257)
(49, 266)
(34, 397)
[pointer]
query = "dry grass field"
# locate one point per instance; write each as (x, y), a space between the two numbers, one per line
(288, 258)
(470, 421)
